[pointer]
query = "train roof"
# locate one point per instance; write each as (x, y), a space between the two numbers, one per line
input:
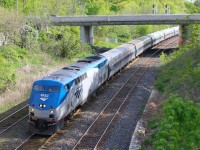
(73, 71)
(112, 53)
(115, 51)
(116, 54)
(139, 41)
(156, 34)
(176, 27)
(167, 30)
(126, 46)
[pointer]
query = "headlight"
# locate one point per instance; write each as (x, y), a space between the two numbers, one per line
(51, 112)
(32, 110)
(42, 105)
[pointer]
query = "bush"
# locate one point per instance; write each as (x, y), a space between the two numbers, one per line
(62, 42)
(11, 58)
(28, 37)
(180, 73)
(7, 73)
(13, 53)
(180, 126)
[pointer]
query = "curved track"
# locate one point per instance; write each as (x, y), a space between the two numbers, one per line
(95, 133)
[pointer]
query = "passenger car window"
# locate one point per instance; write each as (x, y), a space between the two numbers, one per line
(40, 88)
(54, 89)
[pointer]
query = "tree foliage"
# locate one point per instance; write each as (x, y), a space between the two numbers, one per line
(179, 127)
(11, 58)
(192, 8)
(10, 24)
(7, 3)
(28, 37)
(92, 7)
(63, 41)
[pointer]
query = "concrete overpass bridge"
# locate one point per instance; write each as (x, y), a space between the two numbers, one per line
(86, 23)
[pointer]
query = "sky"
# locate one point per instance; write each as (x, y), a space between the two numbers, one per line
(191, 0)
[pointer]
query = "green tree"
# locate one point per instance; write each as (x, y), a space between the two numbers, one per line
(92, 9)
(8, 3)
(10, 24)
(197, 3)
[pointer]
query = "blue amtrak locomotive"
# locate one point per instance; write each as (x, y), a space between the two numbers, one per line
(56, 96)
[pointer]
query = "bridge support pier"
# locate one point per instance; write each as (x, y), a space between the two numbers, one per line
(184, 33)
(87, 34)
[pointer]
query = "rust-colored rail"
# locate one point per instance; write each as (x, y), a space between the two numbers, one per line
(93, 136)
(95, 133)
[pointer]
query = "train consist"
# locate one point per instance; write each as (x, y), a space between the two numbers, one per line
(56, 96)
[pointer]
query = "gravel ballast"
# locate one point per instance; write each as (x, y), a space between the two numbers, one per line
(124, 127)
(121, 133)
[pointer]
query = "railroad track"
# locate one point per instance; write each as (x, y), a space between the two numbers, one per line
(13, 119)
(32, 142)
(93, 137)
(95, 133)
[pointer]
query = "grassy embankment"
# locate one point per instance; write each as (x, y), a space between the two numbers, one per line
(25, 60)
(22, 68)
(178, 126)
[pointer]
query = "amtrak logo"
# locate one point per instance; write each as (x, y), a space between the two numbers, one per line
(78, 92)
(44, 97)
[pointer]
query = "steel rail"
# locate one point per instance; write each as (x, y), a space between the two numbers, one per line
(125, 101)
(13, 113)
(106, 107)
(4, 130)
(110, 102)
(140, 65)
(24, 142)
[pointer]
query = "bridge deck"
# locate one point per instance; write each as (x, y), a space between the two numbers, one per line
(183, 19)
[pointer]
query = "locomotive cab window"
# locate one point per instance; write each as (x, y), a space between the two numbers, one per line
(67, 87)
(77, 81)
(54, 89)
(40, 88)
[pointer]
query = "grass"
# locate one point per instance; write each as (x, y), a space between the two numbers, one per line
(115, 147)
(179, 80)
(180, 74)
(40, 64)
(179, 128)
(5, 106)
(107, 44)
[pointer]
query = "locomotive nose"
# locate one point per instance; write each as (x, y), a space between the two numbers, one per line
(47, 115)
(44, 101)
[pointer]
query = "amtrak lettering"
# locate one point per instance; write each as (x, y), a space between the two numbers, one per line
(78, 92)
(44, 97)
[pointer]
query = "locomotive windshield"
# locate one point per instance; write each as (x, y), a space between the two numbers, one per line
(54, 89)
(40, 88)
